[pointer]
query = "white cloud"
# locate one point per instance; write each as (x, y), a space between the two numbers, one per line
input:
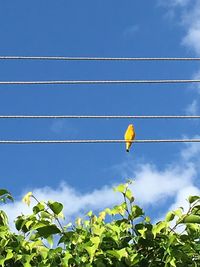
(188, 17)
(181, 197)
(196, 76)
(180, 2)
(151, 187)
(192, 38)
(174, 3)
(191, 151)
(192, 109)
(187, 14)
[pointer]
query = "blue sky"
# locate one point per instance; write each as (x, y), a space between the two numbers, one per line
(101, 29)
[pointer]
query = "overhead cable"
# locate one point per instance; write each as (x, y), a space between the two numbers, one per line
(89, 82)
(97, 141)
(99, 58)
(99, 116)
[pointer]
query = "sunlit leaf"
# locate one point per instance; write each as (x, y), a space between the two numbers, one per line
(170, 216)
(27, 198)
(121, 188)
(118, 253)
(129, 195)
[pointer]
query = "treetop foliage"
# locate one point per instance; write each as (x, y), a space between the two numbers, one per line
(119, 236)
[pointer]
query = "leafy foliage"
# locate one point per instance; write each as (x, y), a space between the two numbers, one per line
(119, 236)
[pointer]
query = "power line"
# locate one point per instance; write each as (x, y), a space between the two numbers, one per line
(89, 82)
(26, 142)
(99, 58)
(99, 116)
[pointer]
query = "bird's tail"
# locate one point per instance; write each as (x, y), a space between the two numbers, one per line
(128, 145)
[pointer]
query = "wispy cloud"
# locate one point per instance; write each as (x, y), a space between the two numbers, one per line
(191, 151)
(191, 22)
(130, 31)
(174, 3)
(59, 126)
(188, 17)
(192, 109)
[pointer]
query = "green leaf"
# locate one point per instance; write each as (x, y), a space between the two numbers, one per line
(3, 192)
(95, 240)
(19, 256)
(50, 240)
(66, 258)
(192, 199)
(108, 211)
(10, 197)
(173, 262)
(172, 239)
(121, 188)
(119, 209)
(147, 219)
(40, 224)
(119, 254)
(170, 216)
(19, 223)
(196, 210)
(90, 250)
(28, 224)
(191, 219)
(136, 211)
(45, 231)
(2, 260)
(3, 218)
(158, 228)
(178, 212)
(39, 207)
(46, 215)
(98, 230)
(143, 232)
(129, 195)
(192, 228)
(100, 263)
(56, 207)
(27, 264)
(134, 258)
(89, 214)
(27, 198)
(9, 254)
(4, 195)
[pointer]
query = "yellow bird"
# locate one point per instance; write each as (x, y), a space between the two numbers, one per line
(129, 136)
